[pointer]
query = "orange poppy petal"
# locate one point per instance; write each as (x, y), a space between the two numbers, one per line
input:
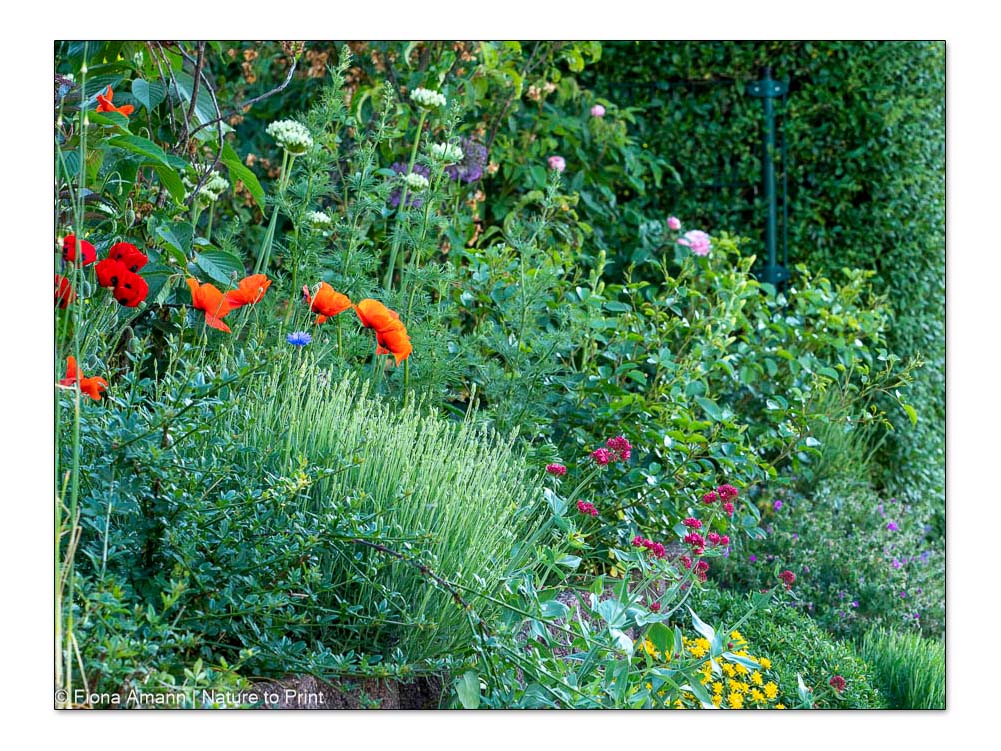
(216, 323)
(93, 387)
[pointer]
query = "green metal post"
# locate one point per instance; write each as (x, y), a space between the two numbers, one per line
(768, 89)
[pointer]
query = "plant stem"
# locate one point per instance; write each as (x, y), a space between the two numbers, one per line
(388, 281)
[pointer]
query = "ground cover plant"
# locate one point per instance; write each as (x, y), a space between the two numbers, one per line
(376, 362)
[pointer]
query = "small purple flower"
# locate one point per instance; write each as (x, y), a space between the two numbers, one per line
(557, 163)
(413, 201)
(925, 556)
(597, 111)
(698, 241)
(854, 603)
(299, 338)
(673, 223)
(917, 616)
(903, 595)
(777, 505)
(892, 526)
(474, 160)
(752, 558)
(896, 563)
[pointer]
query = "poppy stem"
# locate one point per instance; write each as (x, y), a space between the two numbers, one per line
(388, 281)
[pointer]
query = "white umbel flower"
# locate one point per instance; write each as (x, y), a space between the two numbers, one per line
(428, 98)
(318, 219)
(291, 135)
(210, 191)
(448, 153)
(416, 182)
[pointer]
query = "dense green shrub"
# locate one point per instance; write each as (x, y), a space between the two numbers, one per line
(860, 559)
(863, 125)
(909, 669)
(796, 646)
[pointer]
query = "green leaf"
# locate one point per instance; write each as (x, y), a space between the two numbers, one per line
(239, 171)
(149, 95)
(911, 412)
(177, 235)
(696, 687)
(569, 561)
(468, 689)
(148, 149)
(712, 408)
(703, 628)
(554, 609)
(115, 119)
(662, 639)
(171, 181)
(221, 266)
(622, 641)
(747, 662)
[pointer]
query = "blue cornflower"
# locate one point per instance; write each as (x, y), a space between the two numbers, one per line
(299, 338)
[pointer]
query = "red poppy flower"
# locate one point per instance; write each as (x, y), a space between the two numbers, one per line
(92, 387)
(64, 291)
(104, 104)
(207, 298)
(87, 251)
(390, 333)
(327, 302)
(109, 271)
(130, 289)
(250, 290)
(128, 255)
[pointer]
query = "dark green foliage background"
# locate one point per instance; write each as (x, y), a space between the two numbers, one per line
(864, 125)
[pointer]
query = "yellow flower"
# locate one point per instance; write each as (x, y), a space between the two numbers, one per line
(757, 696)
(648, 648)
(780, 706)
(736, 700)
(717, 687)
(765, 663)
(771, 690)
(740, 669)
(756, 678)
(728, 669)
(737, 637)
(717, 700)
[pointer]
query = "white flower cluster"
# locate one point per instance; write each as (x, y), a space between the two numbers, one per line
(448, 153)
(428, 98)
(318, 219)
(292, 136)
(416, 182)
(214, 186)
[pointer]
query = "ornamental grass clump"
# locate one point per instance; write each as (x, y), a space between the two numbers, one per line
(447, 496)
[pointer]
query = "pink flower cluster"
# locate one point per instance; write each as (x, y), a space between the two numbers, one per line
(587, 508)
(617, 449)
(657, 549)
(788, 577)
(700, 570)
(557, 163)
(698, 241)
(717, 539)
(556, 469)
(697, 541)
(725, 494)
(692, 523)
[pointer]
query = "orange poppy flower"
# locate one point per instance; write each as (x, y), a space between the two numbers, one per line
(104, 104)
(390, 333)
(207, 298)
(249, 291)
(64, 291)
(92, 387)
(327, 302)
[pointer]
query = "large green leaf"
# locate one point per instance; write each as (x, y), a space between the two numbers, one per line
(468, 689)
(239, 171)
(662, 639)
(177, 235)
(171, 181)
(221, 266)
(148, 149)
(149, 95)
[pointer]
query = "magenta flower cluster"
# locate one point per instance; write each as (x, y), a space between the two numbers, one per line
(617, 449)
(556, 469)
(657, 549)
(587, 508)
(698, 241)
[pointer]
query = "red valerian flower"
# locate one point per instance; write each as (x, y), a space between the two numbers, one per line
(212, 302)
(327, 302)
(128, 255)
(130, 289)
(556, 469)
(249, 291)
(390, 334)
(104, 104)
(838, 683)
(700, 570)
(87, 251)
(64, 292)
(709, 498)
(727, 492)
(587, 508)
(602, 457)
(92, 387)
(788, 577)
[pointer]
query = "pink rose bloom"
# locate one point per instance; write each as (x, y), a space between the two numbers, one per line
(597, 111)
(674, 223)
(697, 240)
(557, 163)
